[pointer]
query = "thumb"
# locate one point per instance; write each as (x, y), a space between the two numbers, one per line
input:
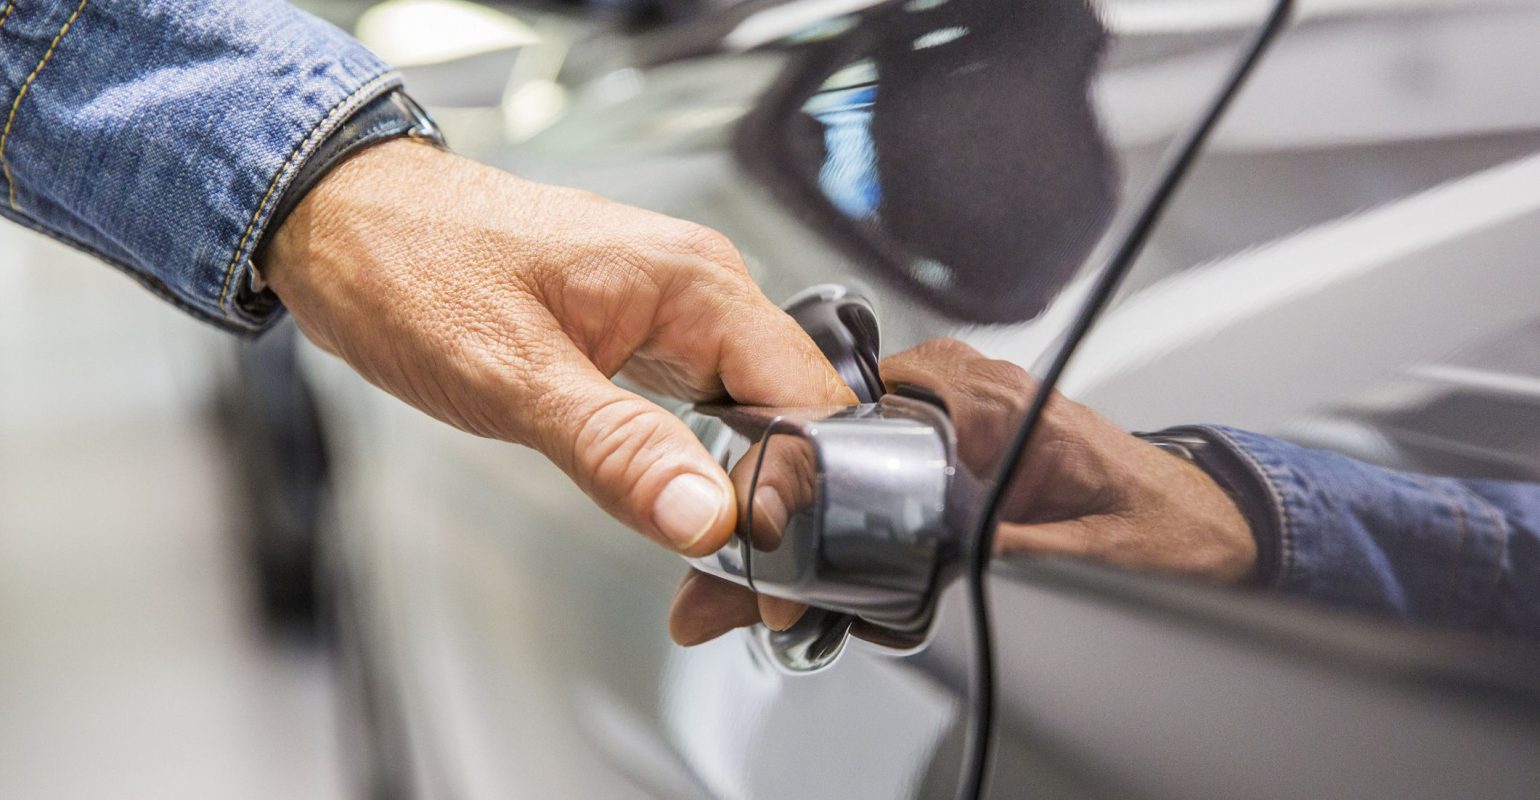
(635, 459)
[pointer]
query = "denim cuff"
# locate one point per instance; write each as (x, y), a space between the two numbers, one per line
(1258, 500)
(243, 294)
(157, 134)
(1359, 536)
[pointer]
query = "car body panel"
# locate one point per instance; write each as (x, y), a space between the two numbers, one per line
(520, 632)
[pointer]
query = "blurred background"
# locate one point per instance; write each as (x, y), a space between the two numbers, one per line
(131, 660)
(136, 659)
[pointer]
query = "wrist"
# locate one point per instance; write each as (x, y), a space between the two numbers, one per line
(390, 117)
(351, 212)
(1231, 475)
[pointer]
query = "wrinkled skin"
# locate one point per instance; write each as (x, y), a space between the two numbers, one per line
(504, 307)
(1086, 489)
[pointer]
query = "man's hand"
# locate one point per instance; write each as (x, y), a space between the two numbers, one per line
(706, 607)
(1087, 490)
(504, 307)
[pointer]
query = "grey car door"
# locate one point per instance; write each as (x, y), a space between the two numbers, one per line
(972, 168)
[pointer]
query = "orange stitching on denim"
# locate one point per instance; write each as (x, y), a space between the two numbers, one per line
(300, 149)
(5, 166)
(6, 14)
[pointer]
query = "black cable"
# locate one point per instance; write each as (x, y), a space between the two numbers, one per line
(976, 557)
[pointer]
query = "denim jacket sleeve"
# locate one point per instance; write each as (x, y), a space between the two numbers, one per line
(1464, 553)
(157, 134)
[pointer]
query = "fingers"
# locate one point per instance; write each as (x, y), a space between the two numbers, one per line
(711, 327)
(1066, 470)
(717, 332)
(706, 607)
(785, 368)
(787, 486)
(986, 399)
(780, 614)
(635, 459)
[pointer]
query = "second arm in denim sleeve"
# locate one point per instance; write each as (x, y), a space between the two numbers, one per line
(1416, 547)
(158, 134)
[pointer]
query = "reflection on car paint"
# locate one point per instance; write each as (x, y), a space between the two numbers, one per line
(958, 143)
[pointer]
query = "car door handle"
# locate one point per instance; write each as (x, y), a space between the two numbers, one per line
(857, 510)
(864, 514)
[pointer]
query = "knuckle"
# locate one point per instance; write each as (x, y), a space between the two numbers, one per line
(921, 357)
(998, 391)
(1005, 375)
(708, 245)
(948, 348)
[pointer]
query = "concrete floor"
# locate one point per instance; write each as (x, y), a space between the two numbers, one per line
(129, 663)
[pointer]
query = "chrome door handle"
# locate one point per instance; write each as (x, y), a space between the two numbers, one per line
(874, 504)
(865, 517)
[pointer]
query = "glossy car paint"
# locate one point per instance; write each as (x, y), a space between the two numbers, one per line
(514, 636)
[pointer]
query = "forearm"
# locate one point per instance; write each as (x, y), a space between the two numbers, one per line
(1431, 549)
(160, 134)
